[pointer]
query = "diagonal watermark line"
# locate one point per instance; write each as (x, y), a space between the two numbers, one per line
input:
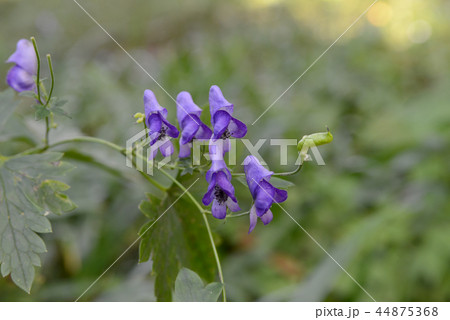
(315, 61)
(115, 261)
(131, 57)
(318, 244)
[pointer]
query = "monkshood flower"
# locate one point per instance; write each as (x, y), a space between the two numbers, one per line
(263, 193)
(20, 77)
(224, 125)
(220, 190)
(188, 115)
(160, 130)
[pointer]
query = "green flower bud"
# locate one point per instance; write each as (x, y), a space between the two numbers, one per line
(314, 140)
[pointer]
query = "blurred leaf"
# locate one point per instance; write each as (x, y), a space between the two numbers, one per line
(42, 112)
(281, 183)
(28, 94)
(189, 287)
(177, 239)
(27, 195)
(7, 105)
(323, 277)
(275, 181)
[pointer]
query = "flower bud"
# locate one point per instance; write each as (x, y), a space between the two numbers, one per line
(314, 140)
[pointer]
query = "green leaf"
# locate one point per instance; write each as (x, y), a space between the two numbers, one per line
(27, 196)
(41, 112)
(55, 107)
(281, 183)
(59, 111)
(178, 238)
(7, 105)
(189, 287)
(28, 94)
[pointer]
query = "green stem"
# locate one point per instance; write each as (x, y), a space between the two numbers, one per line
(38, 81)
(90, 139)
(50, 66)
(289, 173)
(47, 131)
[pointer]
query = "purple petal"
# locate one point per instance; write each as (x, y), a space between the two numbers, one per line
(226, 145)
(218, 102)
(166, 148)
(221, 120)
(25, 56)
(20, 80)
(204, 132)
(237, 128)
(209, 196)
(264, 197)
(185, 150)
(151, 105)
(255, 173)
(154, 123)
(189, 129)
(186, 106)
(253, 219)
(280, 195)
(219, 211)
(223, 182)
(172, 131)
(232, 205)
(267, 217)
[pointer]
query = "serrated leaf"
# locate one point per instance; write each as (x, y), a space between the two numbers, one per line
(179, 238)
(7, 105)
(26, 197)
(59, 111)
(41, 112)
(60, 103)
(189, 287)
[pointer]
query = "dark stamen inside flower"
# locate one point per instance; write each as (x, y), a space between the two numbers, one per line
(162, 133)
(220, 195)
(226, 135)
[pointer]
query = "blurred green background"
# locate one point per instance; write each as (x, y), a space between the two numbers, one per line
(380, 205)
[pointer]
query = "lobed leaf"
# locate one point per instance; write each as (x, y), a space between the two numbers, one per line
(27, 196)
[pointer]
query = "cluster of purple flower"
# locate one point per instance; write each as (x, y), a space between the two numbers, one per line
(220, 190)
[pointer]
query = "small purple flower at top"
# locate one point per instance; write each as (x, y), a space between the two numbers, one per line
(188, 115)
(220, 190)
(263, 193)
(224, 125)
(20, 77)
(160, 130)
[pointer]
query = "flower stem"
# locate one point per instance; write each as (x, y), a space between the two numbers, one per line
(47, 131)
(38, 81)
(289, 173)
(50, 66)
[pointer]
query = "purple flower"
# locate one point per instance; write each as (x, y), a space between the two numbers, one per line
(220, 190)
(263, 193)
(159, 128)
(225, 126)
(20, 77)
(188, 115)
